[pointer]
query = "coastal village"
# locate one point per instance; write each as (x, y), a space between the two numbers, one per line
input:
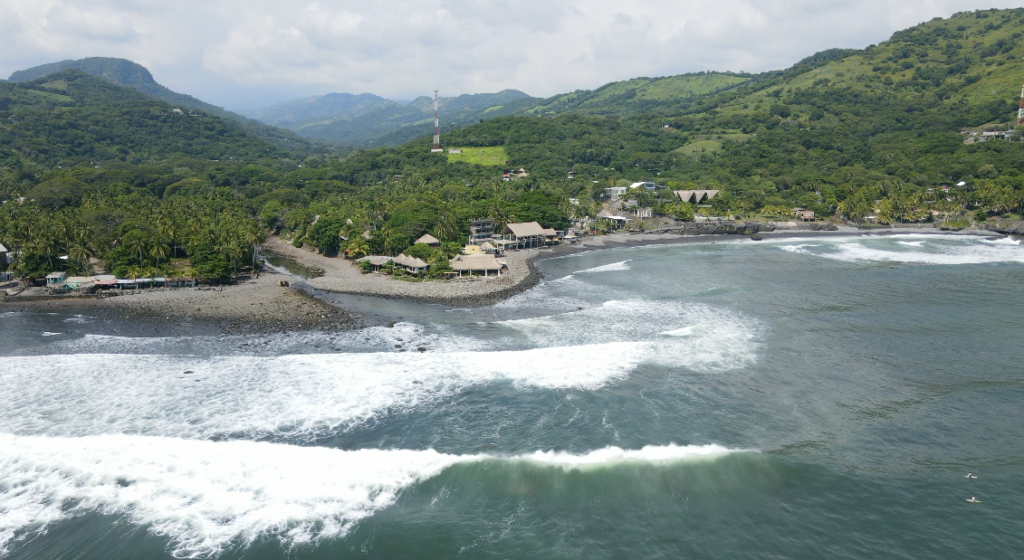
(488, 249)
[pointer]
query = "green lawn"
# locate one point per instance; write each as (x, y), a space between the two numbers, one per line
(481, 156)
(710, 144)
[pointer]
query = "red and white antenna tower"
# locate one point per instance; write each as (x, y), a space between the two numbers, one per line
(437, 127)
(1020, 112)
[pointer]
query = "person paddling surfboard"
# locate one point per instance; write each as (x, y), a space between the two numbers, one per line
(974, 500)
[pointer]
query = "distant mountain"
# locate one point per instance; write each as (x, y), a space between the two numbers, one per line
(130, 74)
(367, 120)
(318, 108)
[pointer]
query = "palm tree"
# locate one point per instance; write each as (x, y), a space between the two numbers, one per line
(134, 243)
(158, 250)
(80, 251)
(447, 227)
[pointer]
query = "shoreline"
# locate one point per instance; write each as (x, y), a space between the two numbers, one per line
(254, 305)
(261, 306)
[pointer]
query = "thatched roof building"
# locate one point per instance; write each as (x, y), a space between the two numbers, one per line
(428, 239)
(476, 264)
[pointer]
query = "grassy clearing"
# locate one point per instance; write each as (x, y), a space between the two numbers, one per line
(492, 156)
(55, 97)
(710, 144)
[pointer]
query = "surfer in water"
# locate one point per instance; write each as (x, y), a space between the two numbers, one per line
(974, 500)
(971, 475)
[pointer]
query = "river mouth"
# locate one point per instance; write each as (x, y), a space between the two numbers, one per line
(291, 265)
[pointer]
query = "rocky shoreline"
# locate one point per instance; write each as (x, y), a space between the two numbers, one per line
(251, 306)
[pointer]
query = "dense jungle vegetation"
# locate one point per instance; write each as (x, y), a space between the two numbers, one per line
(92, 169)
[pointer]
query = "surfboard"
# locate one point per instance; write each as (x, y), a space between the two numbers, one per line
(973, 501)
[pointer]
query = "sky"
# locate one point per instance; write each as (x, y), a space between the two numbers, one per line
(243, 54)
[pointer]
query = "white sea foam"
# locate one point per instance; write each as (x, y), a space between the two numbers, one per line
(799, 249)
(613, 267)
(303, 396)
(206, 496)
(973, 253)
(372, 339)
(685, 331)
(914, 249)
(611, 456)
(706, 339)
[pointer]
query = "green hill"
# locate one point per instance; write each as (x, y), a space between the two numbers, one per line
(129, 74)
(72, 117)
(840, 127)
(639, 94)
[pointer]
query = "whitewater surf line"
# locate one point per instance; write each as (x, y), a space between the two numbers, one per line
(207, 496)
(308, 396)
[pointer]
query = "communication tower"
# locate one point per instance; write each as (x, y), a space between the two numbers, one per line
(437, 126)
(1020, 112)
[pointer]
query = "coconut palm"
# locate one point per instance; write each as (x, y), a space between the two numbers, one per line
(158, 250)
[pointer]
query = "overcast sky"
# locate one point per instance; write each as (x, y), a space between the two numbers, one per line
(252, 53)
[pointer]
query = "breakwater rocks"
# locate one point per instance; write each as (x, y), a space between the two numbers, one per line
(259, 306)
(465, 293)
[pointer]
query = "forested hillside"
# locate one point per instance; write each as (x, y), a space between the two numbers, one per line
(129, 74)
(72, 118)
(849, 134)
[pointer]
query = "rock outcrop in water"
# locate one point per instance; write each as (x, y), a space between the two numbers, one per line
(1006, 228)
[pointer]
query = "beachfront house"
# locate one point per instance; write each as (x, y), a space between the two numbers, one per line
(803, 214)
(481, 263)
(376, 261)
(79, 283)
(428, 239)
(488, 247)
(472, 250)
(480, 229)
(524, 235)
(55, 280)
(412, 265)
(552, 237)
(616, 219)
(3, 257)
(647, 185)
(696, 197)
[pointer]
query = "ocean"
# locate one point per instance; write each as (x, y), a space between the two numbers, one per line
(810, 398)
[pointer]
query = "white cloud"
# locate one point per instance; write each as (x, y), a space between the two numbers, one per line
(251, 52)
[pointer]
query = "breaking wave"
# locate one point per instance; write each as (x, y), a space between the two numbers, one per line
(613, 267)
(305, 396)
(921, 249)
(206, 497)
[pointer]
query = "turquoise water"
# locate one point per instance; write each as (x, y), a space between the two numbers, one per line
(798, 398)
